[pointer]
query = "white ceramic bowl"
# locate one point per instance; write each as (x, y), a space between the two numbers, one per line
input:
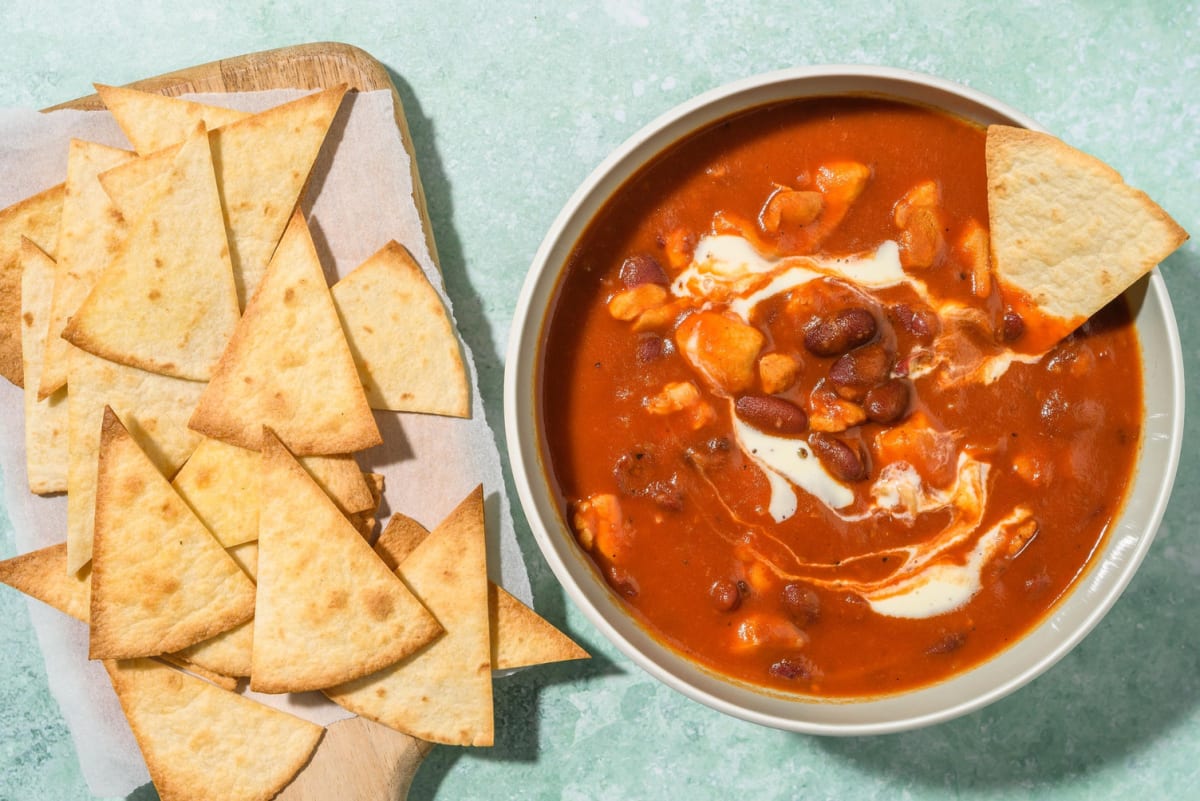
(1069, 622)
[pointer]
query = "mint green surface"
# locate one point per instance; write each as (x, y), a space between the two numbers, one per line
(511, 106)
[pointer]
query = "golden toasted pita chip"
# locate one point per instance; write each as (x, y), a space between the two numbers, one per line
(160, 581)
(403, 341)
(35, 218)
(45, 420)
(91, 229)
(363, 523)
(42, 574)
(246, 555)
(212, 677)
(375, 484)
(167, 301)
(262, 163)
(399, 538)
(328, 608)
(152, 121)
(344, 482)
(364, 520)
(1068, 234)
(156, 407)
(229, 652)
(203, 742)
(444, 692)
(222, 482)
(288, 366)
(520, 636)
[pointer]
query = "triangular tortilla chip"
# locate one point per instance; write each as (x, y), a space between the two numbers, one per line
(399, 538)
(1067, 233)
(221, 680)
(45, 420)
(152, 121)
(375, 483)
(364, 520)
(35, 218)
(155, 406)
(160, 581)
(343, 481)
(42, 574)
(520, 636)
(404, 346)
(262, 164)
(288, 366)
(227, 654)
(444, 692)
(221, 483)
(167, 301)
(328, 608)
(203, 742)
(246, 555)
(90, 232)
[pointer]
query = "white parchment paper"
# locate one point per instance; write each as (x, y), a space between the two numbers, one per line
(360, 197)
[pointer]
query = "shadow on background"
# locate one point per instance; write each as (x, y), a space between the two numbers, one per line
(144, 793)
(516, 710)
(468, 305)
(515, 696)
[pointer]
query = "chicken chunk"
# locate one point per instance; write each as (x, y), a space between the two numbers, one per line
(723, 350)
(683, 398)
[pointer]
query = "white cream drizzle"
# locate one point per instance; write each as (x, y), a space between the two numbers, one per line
(726, 266)
(790, 463)
(727, 270)
(941, 587)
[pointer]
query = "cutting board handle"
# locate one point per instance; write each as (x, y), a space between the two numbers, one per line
(358, 760)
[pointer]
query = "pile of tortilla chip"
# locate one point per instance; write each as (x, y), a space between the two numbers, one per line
(199, 392)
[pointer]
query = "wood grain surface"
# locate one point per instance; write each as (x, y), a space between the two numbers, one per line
(356, 760)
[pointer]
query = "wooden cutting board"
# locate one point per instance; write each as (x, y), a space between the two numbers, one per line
(356, 760)
(308, 66)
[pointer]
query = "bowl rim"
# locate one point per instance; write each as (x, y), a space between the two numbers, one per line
(522, 426)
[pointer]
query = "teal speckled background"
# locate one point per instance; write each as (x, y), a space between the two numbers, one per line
(511, 105)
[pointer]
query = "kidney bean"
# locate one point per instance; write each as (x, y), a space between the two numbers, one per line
(713, 455)
(666, 495)
(649, 348)
(922, 323)
(838, 457)
(772, 415)
(794, 667)
(802, 603)
(834, 334)
(725, 595)
(623, 582)
(642, 268)
(632, 471)
(887, 402)
(949, 643)
(1012, 326)
(854, 373)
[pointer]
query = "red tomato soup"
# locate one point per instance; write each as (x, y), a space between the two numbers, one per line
(792, 423)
